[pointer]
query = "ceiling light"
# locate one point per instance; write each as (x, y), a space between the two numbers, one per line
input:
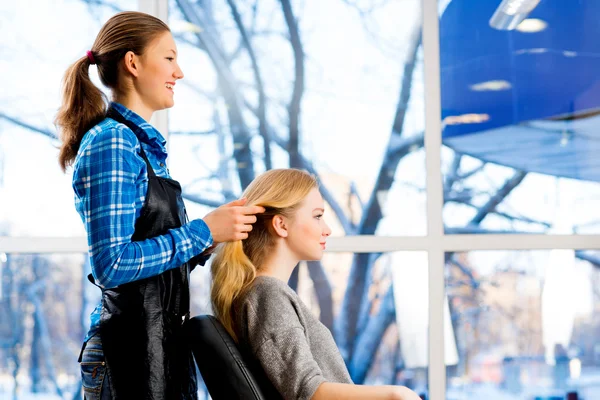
(510, 13)
(490, 86)
(538, 50)
(465, 119)
(532, 25)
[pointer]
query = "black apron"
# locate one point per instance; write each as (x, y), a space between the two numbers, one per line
(141, 322)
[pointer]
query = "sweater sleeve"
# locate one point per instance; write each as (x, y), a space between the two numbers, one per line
(287, 360)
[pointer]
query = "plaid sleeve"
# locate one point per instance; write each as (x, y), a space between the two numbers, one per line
(105, 182)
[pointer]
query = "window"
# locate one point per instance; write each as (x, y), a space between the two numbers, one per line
(456, 147)
(526, 323)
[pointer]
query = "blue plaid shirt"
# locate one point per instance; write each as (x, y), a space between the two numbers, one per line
(110, 181)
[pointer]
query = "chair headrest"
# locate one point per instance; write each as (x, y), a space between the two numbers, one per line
(228, 372)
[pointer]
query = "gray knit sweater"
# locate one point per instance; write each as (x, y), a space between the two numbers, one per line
(294, 348)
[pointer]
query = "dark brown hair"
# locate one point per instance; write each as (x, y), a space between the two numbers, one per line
(84, 105)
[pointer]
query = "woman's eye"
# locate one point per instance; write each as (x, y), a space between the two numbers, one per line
(319, 216)
(170, 58)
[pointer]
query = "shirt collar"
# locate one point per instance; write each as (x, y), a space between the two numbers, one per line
(147, 133)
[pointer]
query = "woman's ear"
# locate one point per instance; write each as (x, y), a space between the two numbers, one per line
(279, 226)
(131, 63)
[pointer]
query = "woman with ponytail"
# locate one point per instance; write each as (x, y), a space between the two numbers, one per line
(142, 247)
(252, 300)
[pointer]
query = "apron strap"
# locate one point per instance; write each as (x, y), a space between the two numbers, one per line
(91, 279)
(114, 114)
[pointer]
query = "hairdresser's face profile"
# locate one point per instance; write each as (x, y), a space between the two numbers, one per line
(307, 230)
(157, 72)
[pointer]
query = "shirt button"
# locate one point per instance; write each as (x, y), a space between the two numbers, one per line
(161, 164)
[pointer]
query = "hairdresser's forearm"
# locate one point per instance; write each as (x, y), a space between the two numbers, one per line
(342, 391)
(127, 261)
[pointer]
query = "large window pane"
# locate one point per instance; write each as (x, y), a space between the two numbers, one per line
(526, 324)
(342, 97)
(45, 303)
(519, 115)
(38, 41)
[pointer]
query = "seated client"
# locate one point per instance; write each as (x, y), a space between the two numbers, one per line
(251, 298)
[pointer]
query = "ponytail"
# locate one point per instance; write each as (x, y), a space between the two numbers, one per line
(83, 106)
(232, 273)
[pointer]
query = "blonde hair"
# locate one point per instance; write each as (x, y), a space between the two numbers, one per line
(83, 104)
(280, 191)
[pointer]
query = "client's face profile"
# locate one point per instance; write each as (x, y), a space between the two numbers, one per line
(308, 232)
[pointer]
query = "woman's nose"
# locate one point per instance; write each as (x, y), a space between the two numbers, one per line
(178, 74)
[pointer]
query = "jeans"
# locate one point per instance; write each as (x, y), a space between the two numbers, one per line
(94, 377)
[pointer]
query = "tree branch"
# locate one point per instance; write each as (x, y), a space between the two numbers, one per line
(464, 198)
(327, 195)
(499, 197)
(323, 291)
(583, 255)
(294, 107)
(227, 83)
(452, 175)
(293, 281)
(39, 318)
(261, 111)
(25, 125)
(367, 344)
(223, 170)
(472, 172)
(464, 269)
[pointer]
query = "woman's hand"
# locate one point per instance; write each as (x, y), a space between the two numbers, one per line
(404, 393)
(345, 391)
(232, 221)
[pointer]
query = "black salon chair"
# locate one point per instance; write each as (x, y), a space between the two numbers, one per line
(228, 372)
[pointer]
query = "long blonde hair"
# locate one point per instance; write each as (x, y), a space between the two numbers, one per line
(280, 191)
(83, 104)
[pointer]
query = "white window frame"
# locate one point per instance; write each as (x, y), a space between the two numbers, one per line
(436, 243)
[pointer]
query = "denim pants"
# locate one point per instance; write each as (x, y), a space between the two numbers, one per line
(96, 384)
